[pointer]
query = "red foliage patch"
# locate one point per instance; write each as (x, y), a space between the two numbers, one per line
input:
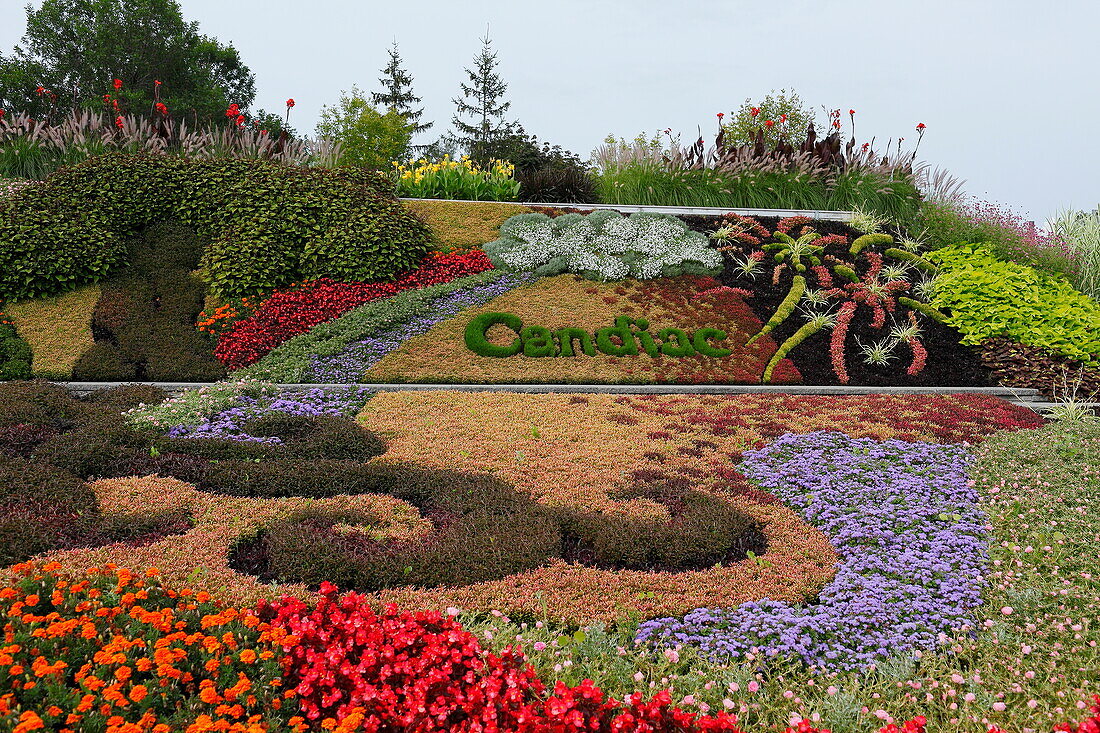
(289, 312)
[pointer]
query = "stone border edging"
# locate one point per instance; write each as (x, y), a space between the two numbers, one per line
(1007, 392)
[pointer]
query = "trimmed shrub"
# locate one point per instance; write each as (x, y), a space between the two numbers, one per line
(127, 396)
(15, 355)
(41, 508)
(144, 321)
(73, 228)
(317, 437)
(483, 530)
(603, 245)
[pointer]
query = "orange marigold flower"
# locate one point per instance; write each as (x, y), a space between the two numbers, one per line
(210, 696)
(248, 656)
(138, 693)
(54, 711)
(144, 664)
(29, 721)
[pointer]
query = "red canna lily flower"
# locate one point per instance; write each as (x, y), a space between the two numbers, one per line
(290, 103)
(1, 114)
(156, 82)
(851, 111)
(754, 111)
(240, 120)
(836, 124)
(162, 108)
(721, 115)
(865, 146)
(106, 98)
(768, 123)
(118, 84)
(783, 118)
(40, 90)
(118, 122)
(921, 125)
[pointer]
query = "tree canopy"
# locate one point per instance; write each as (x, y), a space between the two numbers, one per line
(74, 50)
(483, 101)
(397, 92)
(367, 136)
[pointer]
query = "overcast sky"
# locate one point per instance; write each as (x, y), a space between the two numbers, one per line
(1009, 89)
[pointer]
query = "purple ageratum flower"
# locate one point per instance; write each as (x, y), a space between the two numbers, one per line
(912, 548)
(350, 364)
(229, 424)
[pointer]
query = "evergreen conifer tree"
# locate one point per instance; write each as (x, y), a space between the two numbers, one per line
(483, 101)
(397, 92)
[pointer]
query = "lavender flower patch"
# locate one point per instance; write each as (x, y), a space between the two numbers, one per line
(912, 542)
(229, 423)
(350, 364)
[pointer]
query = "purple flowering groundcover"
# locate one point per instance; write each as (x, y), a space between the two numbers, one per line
(912, 544)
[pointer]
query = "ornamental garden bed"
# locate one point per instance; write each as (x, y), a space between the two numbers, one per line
(851, 561)
(237, 558)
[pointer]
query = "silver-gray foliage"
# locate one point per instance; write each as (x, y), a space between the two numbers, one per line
(603, 245)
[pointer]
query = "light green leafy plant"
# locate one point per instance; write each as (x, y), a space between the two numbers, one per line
(988, 297)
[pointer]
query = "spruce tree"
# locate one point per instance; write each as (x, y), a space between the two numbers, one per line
(483, 101)
(397, 92)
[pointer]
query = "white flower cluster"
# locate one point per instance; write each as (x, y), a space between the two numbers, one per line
(642, 245)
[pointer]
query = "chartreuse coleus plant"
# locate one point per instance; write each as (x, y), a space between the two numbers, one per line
(858, 281)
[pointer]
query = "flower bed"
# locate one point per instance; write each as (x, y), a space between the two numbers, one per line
(911, 544)
(963, 669)
(689, 303)
(295, 310)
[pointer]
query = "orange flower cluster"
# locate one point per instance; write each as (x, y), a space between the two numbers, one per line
(117, 652)
(224, 316)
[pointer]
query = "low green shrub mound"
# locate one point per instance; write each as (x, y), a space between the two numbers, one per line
(15, 354)
(50, 443)
(603, 245)
(264, 224)
(144, 322)
(989, 297)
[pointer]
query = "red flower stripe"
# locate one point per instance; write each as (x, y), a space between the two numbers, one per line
(297, 309)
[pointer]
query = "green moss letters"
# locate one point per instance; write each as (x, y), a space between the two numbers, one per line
(539, 341)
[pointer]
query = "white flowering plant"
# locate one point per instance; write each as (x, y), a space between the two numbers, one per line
(603, 245)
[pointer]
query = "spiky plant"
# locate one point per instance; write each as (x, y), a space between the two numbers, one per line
(867, 222)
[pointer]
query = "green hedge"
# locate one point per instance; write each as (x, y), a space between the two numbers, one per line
(15, 354)
(144, 322)
(988, 297)
(264, 224)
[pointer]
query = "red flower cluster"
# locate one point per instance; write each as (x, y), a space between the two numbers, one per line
(423, 672)
(162, 108)
(403, 670)
(295, 310)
